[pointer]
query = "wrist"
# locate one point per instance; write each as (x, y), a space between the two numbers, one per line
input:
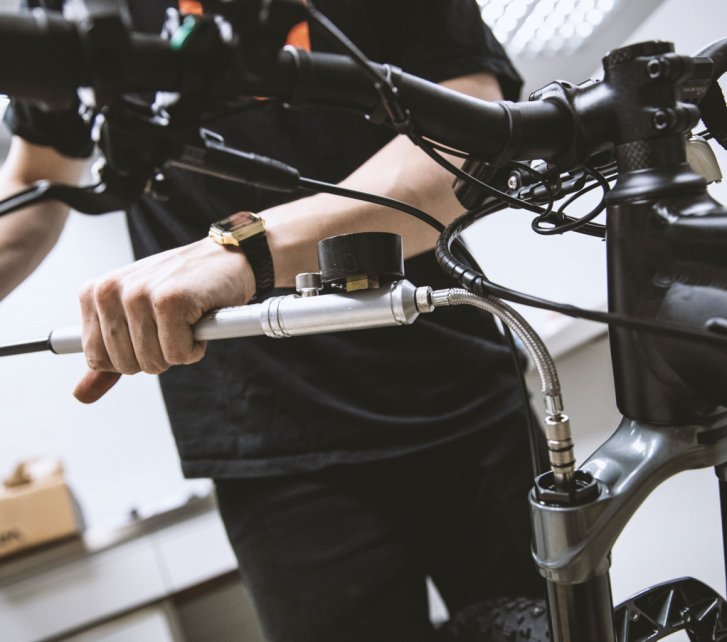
(239, 265)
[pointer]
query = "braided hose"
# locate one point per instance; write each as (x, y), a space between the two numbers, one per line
(557, 424)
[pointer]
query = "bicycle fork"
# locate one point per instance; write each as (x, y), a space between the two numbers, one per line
(574, 532)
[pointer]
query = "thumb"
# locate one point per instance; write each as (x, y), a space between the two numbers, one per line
(95, 385)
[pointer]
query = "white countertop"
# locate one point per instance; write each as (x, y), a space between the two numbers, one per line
(106, 572)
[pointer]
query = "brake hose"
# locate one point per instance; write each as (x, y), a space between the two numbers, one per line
(557, 424)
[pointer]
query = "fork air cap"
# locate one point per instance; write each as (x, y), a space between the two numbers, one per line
(376, 255)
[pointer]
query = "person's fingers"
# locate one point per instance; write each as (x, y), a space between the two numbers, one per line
(141, 317)
(143, 332)
(94, 348)
(114, 327)
(95, 385)
(175, 316)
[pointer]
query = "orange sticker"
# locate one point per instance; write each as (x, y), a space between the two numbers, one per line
(188, 7)
(299, 36)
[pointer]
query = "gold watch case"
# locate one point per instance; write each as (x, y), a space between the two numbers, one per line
(237, 228)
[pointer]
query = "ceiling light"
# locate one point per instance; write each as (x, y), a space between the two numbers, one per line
(533, 28)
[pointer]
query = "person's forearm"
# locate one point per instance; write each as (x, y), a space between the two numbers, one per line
(28, 235)
(141, 317)
(399, 170)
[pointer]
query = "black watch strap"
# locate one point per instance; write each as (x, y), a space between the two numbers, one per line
(257, 251)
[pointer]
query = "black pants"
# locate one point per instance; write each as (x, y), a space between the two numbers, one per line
(342, 555)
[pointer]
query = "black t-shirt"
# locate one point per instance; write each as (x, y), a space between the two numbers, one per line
(260, 406)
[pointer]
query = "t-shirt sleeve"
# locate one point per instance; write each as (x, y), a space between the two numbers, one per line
(66, 131)
(446, 40)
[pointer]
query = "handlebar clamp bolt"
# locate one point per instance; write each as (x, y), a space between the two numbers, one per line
(663, 119)
(657, 68)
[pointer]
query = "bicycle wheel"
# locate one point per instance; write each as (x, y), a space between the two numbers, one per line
(500, 620)
(685, 604)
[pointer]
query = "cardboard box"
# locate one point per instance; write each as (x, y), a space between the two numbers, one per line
(36, 509)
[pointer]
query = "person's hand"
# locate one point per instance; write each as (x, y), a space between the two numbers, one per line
(140, 317)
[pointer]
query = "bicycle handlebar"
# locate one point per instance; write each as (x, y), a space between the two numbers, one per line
(47, 58)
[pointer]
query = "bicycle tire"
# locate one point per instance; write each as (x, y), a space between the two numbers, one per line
(499, 620)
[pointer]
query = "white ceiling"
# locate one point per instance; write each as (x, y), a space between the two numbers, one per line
(562, 39)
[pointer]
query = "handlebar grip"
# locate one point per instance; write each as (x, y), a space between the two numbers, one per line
(41, 58)
(46, 58)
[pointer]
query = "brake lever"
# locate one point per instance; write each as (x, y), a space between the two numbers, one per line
(116, 191)
(111, 194)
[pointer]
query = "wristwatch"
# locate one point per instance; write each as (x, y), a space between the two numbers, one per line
(246, 230)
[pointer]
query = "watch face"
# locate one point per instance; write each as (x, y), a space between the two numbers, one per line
(237, 228)
(236, 221)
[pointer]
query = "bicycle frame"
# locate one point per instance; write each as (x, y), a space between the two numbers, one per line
(666, 428)
(665, 247)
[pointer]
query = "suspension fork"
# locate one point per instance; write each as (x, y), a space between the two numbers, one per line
(573, 534)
